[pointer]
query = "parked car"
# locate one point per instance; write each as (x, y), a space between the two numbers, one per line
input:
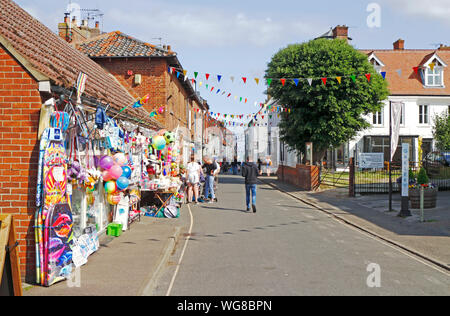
(434, 162)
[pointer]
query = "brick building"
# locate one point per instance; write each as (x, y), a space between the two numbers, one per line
(35, 65)
(143, 68)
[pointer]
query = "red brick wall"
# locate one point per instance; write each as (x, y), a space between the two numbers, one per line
(154, 79)
(20, 104)
(304, 177)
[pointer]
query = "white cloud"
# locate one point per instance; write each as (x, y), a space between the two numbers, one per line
(430, 9)
(212, 27)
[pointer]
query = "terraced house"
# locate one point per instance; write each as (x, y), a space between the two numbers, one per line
(143, 68)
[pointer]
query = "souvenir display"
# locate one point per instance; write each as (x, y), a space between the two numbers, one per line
(91, 175)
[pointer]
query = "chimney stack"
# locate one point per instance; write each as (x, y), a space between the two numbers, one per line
(399, 44)
(341, 32)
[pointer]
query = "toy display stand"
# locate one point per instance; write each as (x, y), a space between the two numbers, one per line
(10, 280)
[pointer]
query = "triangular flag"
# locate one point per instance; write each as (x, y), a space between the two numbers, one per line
(207, 76)
(296, 82)
(212, 89)
(178, 74)
(283, 81)
(432, 66)
(339, 79)
(244, 79)
(207, 86)
(195, 74)
(193, 81)
(240, 100)
(219, 77)
(310, 81)
(200, 83)
(229, 94)
(269, 81)
(257, 80)
(246, 100)
(324, 80)
(184, 72)
(368, 77)
(383, 74)
(218, 91)
(353, 78)
(416, 69)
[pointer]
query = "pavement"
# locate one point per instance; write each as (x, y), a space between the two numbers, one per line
(429, 239)
(128, 265)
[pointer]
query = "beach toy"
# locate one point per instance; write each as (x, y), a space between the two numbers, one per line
(115, 172)
(106, 162)
(122, 183)
(158, 142)
(126, 172)
(120, 159)
(110, 187)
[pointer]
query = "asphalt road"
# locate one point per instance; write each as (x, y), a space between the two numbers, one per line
(287, 248)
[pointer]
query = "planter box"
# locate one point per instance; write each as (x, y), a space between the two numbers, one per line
(429, 200)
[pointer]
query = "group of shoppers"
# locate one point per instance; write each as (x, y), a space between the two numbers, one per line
(197, 174)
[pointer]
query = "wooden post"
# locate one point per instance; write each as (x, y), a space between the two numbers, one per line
(351, 182)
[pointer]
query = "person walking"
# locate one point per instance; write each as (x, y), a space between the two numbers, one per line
(234, 165)
(193, 179)
(211, 169)
(268, 165)
(250, 172)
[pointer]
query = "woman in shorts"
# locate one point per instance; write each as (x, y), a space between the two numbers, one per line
(193, 179)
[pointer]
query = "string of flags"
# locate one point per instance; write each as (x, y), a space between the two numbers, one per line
(269, 81)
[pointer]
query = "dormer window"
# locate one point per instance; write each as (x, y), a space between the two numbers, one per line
(433, 71)
(434, 77)
(376, 63)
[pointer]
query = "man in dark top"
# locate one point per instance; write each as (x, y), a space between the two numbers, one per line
(250, 172)
(211, 170)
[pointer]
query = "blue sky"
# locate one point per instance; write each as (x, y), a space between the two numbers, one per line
(238, 38)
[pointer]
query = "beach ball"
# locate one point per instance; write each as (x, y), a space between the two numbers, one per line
(106, 162)
(126, 172)
(106, 176)
(110, 187)
(122, 183)
(158, 142)
(113, 199)
(170, 137)
(116, 172)
(120, 159)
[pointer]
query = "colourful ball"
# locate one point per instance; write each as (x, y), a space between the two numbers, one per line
(115, 172)
(120, 159)
(158, 142)
(113, 199)
(122, 183)
(126, 172)
(169, 137)
(106, 162)
(110, 187)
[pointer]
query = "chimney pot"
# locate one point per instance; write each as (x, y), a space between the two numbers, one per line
(97, 24)
(341, 31)
(399, 44)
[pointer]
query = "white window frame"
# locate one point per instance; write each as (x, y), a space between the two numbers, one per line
(379, 118)
(422, 114)
(436, 72)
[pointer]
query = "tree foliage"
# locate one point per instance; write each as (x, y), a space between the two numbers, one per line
(441, 131)
(327, 115)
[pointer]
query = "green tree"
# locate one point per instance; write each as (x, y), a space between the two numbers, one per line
(327, 115)
(441, 131)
